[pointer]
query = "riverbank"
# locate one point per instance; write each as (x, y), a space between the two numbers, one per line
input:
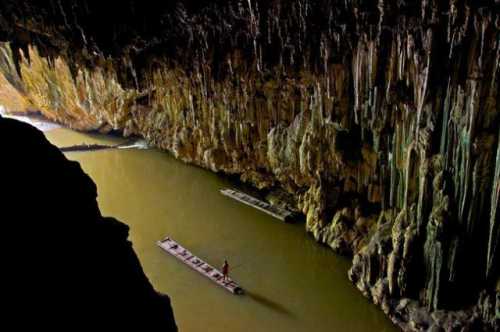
(379, 120)
(292, 283)
(64, 263)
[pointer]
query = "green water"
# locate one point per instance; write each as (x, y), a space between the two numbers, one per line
(291, 282)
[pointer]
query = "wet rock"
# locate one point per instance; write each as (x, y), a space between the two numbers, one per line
(389, 108)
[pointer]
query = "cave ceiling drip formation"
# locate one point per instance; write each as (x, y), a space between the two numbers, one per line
(378, 119)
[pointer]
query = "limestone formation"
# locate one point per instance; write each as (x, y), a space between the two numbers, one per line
(380, 119)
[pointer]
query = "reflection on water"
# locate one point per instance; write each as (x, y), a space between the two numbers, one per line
(269, 304)
(291, 282)
(36, 121)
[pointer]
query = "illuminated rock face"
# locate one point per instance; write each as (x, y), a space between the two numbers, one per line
(381, 119)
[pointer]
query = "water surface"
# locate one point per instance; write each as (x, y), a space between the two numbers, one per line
(292, 283)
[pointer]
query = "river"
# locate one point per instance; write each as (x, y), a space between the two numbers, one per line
(291, 282)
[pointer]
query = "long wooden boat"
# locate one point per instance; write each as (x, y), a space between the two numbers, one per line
(276, 212)
(131, 144)
(185, 256)
(85, 147)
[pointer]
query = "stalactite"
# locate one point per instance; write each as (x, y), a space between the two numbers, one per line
(380, 118)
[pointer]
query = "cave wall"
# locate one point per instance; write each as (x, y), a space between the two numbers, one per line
(63, 263)
(379, 119)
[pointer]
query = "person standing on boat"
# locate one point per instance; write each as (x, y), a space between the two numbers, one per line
(225, 270)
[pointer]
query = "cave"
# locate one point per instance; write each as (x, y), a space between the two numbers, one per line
(373, 126)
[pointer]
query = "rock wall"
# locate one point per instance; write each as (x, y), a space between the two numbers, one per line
(63, 263)
(380, 121)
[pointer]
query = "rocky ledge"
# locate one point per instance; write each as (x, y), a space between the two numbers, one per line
(65, 266)
(378, 120)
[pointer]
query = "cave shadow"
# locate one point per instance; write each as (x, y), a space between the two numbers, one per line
(270, 304)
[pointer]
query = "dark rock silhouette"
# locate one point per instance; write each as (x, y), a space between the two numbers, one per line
(65, 265)
(378, 119)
